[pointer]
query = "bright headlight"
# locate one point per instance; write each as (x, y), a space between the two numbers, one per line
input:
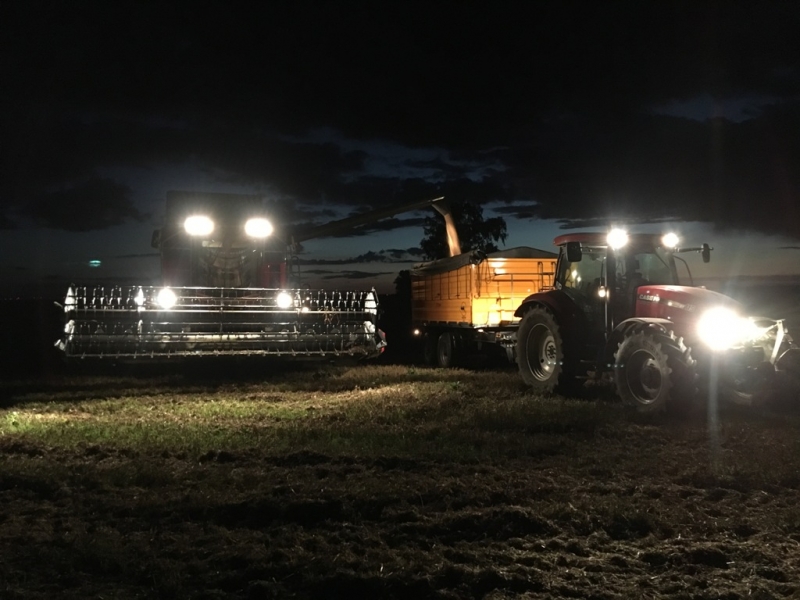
(198, 225)
(166, 298)
(617, 238)
(670, 240)
(258, 227)
(721, 328)
(284, 300)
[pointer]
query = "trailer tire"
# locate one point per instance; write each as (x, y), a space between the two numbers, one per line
(540, 352)
(654, 372)
(447, 350)
(429, 349)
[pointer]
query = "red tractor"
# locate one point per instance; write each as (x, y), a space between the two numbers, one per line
(618, 308)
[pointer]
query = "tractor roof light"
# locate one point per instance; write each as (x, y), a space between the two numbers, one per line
(258, 227)
(198, 225)
(166, 298)
(617, 238)
(670, 240)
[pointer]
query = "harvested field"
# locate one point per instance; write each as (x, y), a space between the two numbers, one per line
(384, 481)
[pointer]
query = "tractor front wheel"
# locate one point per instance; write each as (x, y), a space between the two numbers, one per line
(540, 351)
(654, 371)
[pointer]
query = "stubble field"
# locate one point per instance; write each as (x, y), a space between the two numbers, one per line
(384, 481)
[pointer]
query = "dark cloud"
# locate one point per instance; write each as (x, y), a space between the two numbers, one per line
(96, 203)
(143, 255)
(654, 168)
(394, 255)
(385, 225)
(357, 275)
(380, 191)
(5, 221)
(345, 275)
(75, 149)
(547, 107)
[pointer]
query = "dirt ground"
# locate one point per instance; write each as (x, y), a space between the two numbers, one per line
(635, 508)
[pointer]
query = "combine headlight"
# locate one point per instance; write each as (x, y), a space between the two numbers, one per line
(198, 225)
(166, 298)
(617, 238)
(258, 227)
(284, 300)
(721, 328)
(670, 240)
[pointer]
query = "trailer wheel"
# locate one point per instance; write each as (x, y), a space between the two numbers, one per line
(540, 352)
(447, 354)
(429, 349)
(655, 372)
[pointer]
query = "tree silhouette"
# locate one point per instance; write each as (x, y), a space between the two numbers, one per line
(474, 231)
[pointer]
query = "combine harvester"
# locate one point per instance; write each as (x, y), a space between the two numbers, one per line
(230, 287)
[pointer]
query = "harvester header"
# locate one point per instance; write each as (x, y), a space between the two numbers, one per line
(229, 287)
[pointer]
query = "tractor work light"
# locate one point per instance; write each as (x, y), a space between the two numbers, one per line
(166, 298)
(198, 225)
(670, 240)
(617, 238)
(258, 227)
(284, 300)
(721, 329)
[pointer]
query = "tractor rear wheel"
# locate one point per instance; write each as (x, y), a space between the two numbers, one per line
(540, 352)
(655, 372)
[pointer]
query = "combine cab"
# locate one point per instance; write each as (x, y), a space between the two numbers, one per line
(228, 288)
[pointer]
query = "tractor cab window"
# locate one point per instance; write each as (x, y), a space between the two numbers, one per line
(586, 276)
(643, 266)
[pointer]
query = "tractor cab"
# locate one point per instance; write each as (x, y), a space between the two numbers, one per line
(606, 275)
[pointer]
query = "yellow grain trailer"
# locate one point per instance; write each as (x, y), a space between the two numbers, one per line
(465, 304)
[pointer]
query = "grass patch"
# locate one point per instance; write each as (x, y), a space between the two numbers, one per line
(371, 411)
(365, 411)
(382, 481)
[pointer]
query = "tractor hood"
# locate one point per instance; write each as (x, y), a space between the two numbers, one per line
(679, 303)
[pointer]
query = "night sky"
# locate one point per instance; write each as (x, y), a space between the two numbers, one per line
(553, 115)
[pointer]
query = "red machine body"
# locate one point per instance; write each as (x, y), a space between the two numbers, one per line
(619, 306)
